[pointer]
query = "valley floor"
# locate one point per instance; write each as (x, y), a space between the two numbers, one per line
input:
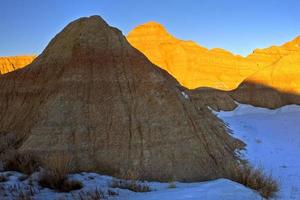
(273, 142)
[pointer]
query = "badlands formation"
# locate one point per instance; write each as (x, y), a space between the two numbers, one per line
(194, 66)
(91, 96)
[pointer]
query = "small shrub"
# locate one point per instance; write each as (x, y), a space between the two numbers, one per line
(253, 178)
(55, 177)
(3, 178)
(57, 181)
(132, 185)
(22, 162)
(96, 194)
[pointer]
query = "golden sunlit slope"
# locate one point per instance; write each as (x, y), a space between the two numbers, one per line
(195, 66)
(8, 64)
(282, 75)
(271, 55)
(192, 65)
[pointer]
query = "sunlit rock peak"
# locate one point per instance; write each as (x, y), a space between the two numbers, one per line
(193, 65)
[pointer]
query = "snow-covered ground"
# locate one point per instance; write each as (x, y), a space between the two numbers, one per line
(221, 189)
(273, 142)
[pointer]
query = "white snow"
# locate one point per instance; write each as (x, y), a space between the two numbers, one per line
(212, 190)
(273, 142)
(185, 95)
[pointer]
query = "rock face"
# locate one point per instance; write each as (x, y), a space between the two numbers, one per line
(192, 65)
(8, 64)
(269, 77)
(94, 97)
(283, 75)
(247, 93)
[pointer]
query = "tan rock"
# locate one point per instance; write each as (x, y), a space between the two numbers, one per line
(96, 98)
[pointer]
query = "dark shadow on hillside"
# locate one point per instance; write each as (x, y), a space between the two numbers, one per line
(247, 93)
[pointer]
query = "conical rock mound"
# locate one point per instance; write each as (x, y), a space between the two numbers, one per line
(92, 96)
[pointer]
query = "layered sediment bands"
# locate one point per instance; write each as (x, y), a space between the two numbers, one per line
(192, 65)
(92, 96)
(282, 75)
(8, 64)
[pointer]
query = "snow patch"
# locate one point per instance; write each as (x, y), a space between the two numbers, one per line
(185, 95)
(212, 190)
(273, 142)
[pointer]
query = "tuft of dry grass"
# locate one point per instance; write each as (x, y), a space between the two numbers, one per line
(254, 178)
(26, 163)
(132, 185)
(56, 175)
(96, 194)
(19, 192)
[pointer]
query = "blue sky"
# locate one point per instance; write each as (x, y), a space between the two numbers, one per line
(26, 26)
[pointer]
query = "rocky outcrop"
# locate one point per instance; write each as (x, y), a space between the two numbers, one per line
(8, 64)
(255, 94)
(92, 96)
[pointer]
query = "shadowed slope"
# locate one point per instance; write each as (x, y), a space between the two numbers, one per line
(95, 98)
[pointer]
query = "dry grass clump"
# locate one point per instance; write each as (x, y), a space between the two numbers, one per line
(254, 178)
(132, 185)
(56, 175)
(19, 192)
(130, 181)
(26, 163)
(96, 194)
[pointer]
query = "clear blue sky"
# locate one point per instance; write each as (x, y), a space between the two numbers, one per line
(26, 26)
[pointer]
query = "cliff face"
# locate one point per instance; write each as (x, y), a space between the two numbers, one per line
(283, 75)
(8, 64)
(92, 96)
(192, 65)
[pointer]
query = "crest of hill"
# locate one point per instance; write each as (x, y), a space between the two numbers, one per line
(93, 97)
(191, 64)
